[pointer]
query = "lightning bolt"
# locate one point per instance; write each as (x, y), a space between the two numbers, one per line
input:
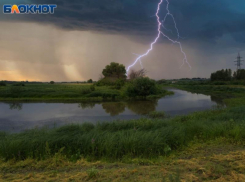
(155, 41)
(172, 16)
(161, 24)
(139, 60)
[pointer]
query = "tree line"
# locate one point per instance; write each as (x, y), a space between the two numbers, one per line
(226, 75)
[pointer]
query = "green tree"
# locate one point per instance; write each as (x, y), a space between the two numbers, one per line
(115, 70)
(239, 74)
(52, 82)
(90, 81)
(222, 75)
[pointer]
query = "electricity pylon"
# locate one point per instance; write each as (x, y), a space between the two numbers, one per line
(238, 61)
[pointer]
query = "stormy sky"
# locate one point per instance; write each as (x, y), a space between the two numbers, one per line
(83, 36)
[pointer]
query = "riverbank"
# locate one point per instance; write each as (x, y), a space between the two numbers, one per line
(144, 137)
(232, 95)
(215, 160)
(201, 146)
(66, 93)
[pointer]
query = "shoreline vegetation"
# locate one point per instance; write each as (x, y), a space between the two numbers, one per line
(70, 93)
(207, 145)
(202, 146)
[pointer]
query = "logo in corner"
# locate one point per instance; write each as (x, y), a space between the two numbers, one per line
(29, 9)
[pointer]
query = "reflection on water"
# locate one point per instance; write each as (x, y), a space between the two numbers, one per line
(142, 107)
(218, 100)
(137, 107)
(87, 105)
(15, 117)
(114, 109)
(17, 106)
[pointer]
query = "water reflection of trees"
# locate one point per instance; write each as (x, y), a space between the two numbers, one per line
(85, 105)
(114, 108)
(13, 106)
(218, 100)
(142, 107)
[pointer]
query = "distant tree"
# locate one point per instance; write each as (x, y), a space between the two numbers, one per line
(2, 83)
(90, 81)
(18, 84)
(114, 70)
(222, 75)
(239, 74)
(163, 81)
(52, 82)
(137, 74)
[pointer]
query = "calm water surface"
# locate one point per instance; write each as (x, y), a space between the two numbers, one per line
(16, 117)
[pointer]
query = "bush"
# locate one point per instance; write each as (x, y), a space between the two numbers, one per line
(18, 84)
(119, 84)
(52, 82)
(109, 81)
(15, 91)
(156, 114)
(142, 87)
(92, 88)
(86, 91)
(2, 84)
(219, 83)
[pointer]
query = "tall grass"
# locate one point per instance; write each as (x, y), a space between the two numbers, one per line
(56, 92)
(64, 92)
(135, 138)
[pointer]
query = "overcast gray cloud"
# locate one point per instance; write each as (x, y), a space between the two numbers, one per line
(213, 32)
(197, 19)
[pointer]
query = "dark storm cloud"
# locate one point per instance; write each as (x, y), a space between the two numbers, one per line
(204, 20)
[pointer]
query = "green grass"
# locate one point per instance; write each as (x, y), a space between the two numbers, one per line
(209, 161)
(225, 90)
(202, 146)
(135, 138)
(43, 91)
(156, 114)
(63, 93)
(147, 138)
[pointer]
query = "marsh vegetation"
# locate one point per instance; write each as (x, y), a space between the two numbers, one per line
(152, 141)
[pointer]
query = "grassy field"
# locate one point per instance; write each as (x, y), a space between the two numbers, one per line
(51, 92)
(63, 93)
(216, 160)
(203, 146)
